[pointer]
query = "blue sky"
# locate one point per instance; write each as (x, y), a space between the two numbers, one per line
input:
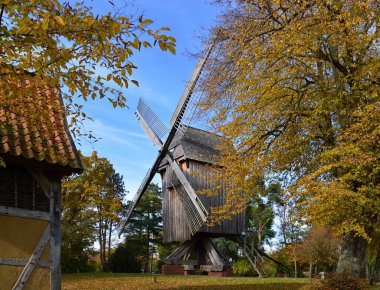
(162, 77)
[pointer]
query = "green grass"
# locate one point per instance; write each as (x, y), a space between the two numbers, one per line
(138, 281)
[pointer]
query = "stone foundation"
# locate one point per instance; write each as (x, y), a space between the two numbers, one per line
(172, 270)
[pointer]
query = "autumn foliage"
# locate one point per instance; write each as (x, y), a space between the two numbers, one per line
(294, 85)
(66, 45)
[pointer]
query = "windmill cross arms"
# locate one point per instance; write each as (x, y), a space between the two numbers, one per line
(175, 122)
(151, 123)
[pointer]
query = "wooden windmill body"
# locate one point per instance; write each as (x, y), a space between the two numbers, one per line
(195, 151)
(184, 160)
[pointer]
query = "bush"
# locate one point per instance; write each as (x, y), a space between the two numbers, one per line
(243, 268)
(123, 261)
(342, 282)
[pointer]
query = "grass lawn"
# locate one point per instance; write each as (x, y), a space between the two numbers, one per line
(137, 281)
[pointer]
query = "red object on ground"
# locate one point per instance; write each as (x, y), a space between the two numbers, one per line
(172, 270)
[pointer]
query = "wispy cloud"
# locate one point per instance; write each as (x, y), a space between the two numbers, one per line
(115, 134)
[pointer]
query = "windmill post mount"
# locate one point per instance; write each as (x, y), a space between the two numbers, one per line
(187, 150)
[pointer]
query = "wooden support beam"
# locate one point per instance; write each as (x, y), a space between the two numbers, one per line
(24, 213)
(55, 235)
(215, 258)
(29, 267)
(180, 252)
(23, 262)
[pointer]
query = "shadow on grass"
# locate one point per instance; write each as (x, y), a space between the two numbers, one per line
(274, 286)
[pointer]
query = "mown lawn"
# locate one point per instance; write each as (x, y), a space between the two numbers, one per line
(133, 281)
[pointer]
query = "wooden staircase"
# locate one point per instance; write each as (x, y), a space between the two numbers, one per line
(253, 256)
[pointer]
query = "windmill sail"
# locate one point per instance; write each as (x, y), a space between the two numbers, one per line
(149, 121)
(155, 134)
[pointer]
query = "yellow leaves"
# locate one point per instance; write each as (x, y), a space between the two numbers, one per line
(294, 97)
(135, 43)
(146, 22)
(59, 20)
(69, 46)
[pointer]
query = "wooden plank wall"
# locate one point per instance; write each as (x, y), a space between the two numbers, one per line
(200, 176)
(174, 219)
(175, 226)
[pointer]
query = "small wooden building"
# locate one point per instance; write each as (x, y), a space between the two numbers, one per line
(195, 151)
(37, 154)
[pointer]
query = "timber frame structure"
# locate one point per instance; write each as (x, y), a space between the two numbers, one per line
(37, 153)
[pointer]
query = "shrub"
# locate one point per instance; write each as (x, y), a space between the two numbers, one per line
(342, 282)
(243, 268)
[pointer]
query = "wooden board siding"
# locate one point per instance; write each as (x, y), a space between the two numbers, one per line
(199, 175)
(174, 219)
(175, 227)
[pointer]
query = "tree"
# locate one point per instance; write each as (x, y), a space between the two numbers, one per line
(260, 213)
(228, 248)
(78, 236)
(65, 45)
(125, 258)
(97, 194)
(295, 87)
(145, 225)
(320, 248)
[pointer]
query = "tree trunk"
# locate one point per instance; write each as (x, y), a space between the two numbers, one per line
(295, 261)
(109, 246)
(146, 264)
(352, 255)
(100, 245)
(259, 226)
(104, 262)
(310, 270)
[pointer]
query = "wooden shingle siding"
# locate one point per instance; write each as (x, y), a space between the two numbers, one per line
(194, 151)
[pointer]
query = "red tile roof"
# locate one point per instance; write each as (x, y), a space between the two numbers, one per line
(35, 128)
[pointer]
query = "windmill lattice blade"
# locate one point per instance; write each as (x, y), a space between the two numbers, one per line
(152, 120)
(186, 95)
(193, 217)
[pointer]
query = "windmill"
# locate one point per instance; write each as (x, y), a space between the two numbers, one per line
(184, 151)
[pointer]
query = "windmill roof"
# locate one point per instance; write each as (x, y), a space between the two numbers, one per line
(45, 136)
(196, 144)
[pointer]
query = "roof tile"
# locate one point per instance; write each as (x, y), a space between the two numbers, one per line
(43, 137)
